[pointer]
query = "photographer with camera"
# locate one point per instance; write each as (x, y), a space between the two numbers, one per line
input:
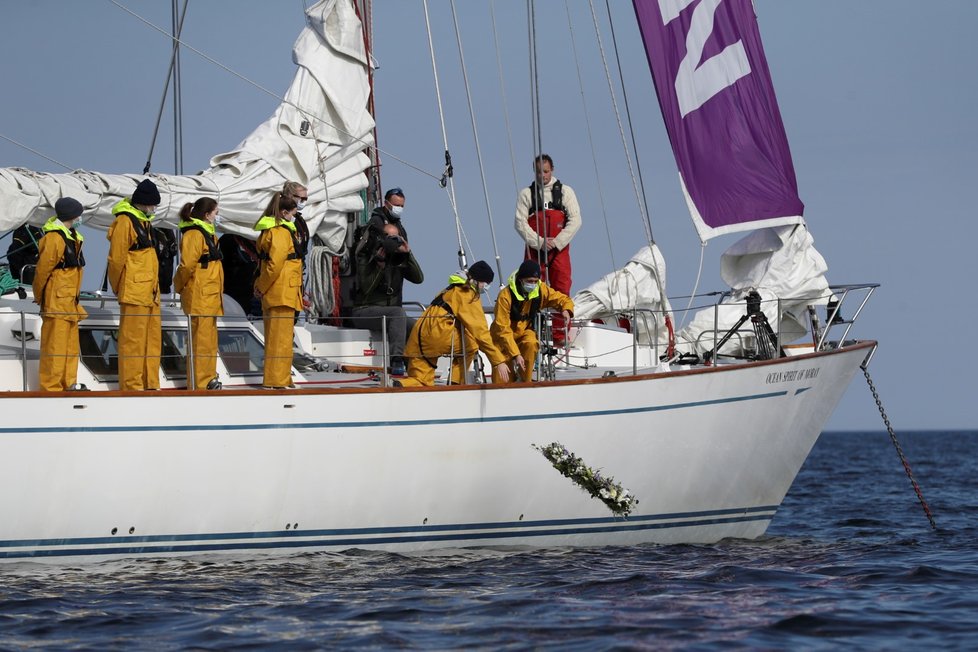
(381, 272)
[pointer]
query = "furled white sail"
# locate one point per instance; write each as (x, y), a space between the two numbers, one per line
(330, 92)
(779, 263)
(632, 288)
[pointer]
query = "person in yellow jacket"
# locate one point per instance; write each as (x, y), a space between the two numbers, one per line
(200, 281)
(133, 270)
(279, 286)
(454, 316)
(57, 285)
(513, 326)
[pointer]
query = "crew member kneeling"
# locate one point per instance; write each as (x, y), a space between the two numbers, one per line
(57, 284)
(516, 310)
(454, 318)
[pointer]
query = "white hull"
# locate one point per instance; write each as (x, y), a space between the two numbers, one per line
(709, 453)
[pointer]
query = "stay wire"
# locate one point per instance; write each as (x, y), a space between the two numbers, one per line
(537, 131)
(36, 153)
(475, 136)
(175, 38)
(621, 129)
(590, 137)
(305, 112)
(502, 95)
(631, 129)
(444, 136)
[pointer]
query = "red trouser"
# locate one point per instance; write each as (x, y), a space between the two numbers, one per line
(556, 274)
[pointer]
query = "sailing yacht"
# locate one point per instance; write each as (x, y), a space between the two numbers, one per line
(703, 430)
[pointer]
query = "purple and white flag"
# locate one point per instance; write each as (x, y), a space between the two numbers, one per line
(718, 103)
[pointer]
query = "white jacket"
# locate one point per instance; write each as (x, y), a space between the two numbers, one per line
(572, 220)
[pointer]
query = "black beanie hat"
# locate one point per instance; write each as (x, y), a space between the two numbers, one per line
(529, 268)
(480, 271)
(68, 208)
(146, 194)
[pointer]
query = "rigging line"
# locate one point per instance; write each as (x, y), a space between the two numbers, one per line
(614, 102)
(502, 94)
(628, 118)
(37, 153)
(590, 136)
(696, 285)
(537, 132)
(177, 91)
(475, 136)
(628, 159)
(444, 136)
(166, 89)
(270, 93)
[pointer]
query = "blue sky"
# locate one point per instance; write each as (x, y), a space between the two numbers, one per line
(878, 97)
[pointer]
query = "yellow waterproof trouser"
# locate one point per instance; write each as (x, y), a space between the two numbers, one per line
(420, 373)
(528, 345)
(58, 368)
(203, 342)
(140, 340)
(279, 333)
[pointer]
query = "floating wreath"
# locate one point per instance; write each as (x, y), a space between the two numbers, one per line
(611, 493)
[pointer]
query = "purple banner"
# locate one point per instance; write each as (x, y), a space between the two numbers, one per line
(718, 103)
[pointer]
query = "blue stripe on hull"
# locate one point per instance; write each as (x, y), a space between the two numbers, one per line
(394, 535)
(385, 424)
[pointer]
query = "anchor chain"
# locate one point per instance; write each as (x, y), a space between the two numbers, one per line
(899, 450)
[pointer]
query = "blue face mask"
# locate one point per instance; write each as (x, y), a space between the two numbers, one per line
(530, 287)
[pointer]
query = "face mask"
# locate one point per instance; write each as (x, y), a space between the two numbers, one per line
(300, 205)
(529, 287)
(218, 219)
(396, 210)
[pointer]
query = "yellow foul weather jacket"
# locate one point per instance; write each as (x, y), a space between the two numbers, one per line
(133, 267)
(437, 332)
(515, 313)
(58, 276)
(200, 277)
(280, 277)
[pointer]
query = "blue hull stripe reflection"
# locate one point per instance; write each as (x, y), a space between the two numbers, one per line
(465, 536)
(386, 424)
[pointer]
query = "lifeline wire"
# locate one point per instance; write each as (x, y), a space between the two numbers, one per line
(475, 136)
(278, 97)
(444, 137)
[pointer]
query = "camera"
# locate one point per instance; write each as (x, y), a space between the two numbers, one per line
(391, 243)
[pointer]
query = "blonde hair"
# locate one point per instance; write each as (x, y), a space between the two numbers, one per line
(292, 187)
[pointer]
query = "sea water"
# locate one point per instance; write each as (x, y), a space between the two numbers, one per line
(850, 560)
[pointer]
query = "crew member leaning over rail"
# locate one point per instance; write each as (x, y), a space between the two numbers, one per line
(134, 273)
(57, 285)
(454, 316)
(279, 285)
(200, 282)
(517, 307)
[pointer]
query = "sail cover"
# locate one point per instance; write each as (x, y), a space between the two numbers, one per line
(317, 136)
(719, 108)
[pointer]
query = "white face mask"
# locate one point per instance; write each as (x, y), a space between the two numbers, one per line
(300, 205)
(218, 219)
(396, 210)
(530, 287)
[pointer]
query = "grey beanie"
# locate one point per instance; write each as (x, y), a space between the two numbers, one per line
(68, 208)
